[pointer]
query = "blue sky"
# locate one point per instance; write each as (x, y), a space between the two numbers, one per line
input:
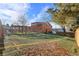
(37, 8)
(34, 12)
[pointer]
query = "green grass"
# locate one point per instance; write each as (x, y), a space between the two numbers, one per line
(65, 42)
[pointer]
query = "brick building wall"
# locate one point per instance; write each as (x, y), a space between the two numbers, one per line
(41, 27)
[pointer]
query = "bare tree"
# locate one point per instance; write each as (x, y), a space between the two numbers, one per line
(22, 21)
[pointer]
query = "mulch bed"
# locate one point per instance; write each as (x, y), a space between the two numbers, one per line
(45, 49)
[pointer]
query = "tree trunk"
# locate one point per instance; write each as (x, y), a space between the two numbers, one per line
(26, 30)
(77, 36)
(64, 30)
(22, 29)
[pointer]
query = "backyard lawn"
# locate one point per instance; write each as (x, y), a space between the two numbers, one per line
(39, 44)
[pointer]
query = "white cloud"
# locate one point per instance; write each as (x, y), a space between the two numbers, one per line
(10, 17)
(19, 7)
(10, 12)
(55, 25)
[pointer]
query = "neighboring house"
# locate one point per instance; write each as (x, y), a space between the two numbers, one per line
(17, 28)
(28, 29)
(42, 27)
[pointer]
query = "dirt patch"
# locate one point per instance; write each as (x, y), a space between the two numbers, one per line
(45, 49)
